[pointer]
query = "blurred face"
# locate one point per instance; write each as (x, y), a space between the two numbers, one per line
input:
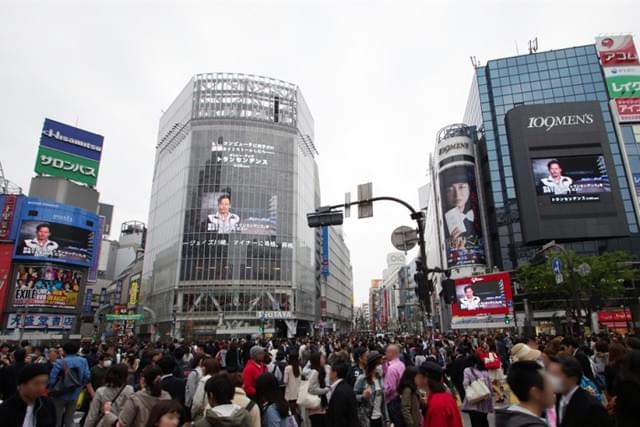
(458, 194)
(223, 206)
(555, 170)
(43, 234)
(559, 381)
(33, 389)
(468, 293)
(170, 419)
(333, 376)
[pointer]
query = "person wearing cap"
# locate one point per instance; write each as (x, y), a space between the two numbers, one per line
(442, 409)
(253, 369)
(369, 390)
(521, 351)
(29, 407)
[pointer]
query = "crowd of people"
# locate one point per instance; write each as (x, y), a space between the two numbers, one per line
(349, 381)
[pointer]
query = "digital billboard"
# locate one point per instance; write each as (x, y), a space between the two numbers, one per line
(239, 220)
(481, 295)
(46, 285)
(69, 152)
(56, 232)
(571, 179)
(462, 222)
(561, 156)
(617, 50)
(623, 82)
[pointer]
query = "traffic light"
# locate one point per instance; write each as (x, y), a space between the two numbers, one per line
(449, 291)
(422, 285)
(324, 217)
(507, 319)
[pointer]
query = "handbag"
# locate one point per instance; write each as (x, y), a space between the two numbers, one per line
(477, 391)
(306, 399)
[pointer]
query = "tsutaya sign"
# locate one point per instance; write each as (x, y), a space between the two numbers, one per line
(274, 315)
(69, 152)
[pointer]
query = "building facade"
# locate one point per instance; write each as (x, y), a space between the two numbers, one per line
(228, 250)
(336, 303)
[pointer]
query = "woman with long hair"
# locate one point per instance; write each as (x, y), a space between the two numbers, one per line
(200, 402)
(627, 390)
(369, 390)
(409, 398)
(318, 385)
(136, 410)
(477, 410)
(442, 409)
(617, 351)
(494, 367)
(165, 413)
(115, 390)
(291, 380)
(270, 397)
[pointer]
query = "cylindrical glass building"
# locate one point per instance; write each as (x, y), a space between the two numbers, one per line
(228, 249)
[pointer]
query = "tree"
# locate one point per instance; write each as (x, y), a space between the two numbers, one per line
(606, 280)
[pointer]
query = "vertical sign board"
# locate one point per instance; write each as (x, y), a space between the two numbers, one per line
(69, 152)
(6, 252)
(88, 297)
(325, 251)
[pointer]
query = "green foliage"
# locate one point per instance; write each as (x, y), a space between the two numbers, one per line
(607, 277)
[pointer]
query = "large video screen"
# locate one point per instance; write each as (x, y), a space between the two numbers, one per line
(571, 179)
(46, 286)
(45, 240)
(223, 216)
(462, 223)
(489, 294)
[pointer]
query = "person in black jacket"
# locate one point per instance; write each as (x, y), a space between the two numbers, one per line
(575, 407)
(570, 347)
(8, 381)
(359, 365)
(343, 408)
(28, 406)
(173, 385)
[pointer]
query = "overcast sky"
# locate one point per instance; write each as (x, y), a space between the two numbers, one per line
(380, 79)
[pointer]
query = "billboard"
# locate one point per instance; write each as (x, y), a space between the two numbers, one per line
(10, 205)
(69, 152)
(571, 179)
(41, 321)
(462, 223)
(623, 82)
(481, 295)
(57, 232)
(46, 285)
(616, 50)
(628, 109)
(239, 219)
(560, 154)
(6, 251)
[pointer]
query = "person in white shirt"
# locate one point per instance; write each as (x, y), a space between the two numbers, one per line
(223, 221)
(40, 245)
(470, 301)
(555, 183)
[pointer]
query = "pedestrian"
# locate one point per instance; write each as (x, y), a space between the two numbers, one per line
(222, 412)
(535, 393)
(442, 409)
(369, 391)
(575, 406)
(292, 379)
(66, 380)
(115, 390)
(253, 369)
(165, 413)
(393, 370)
(455, 370)
(319, 386)
(29, 406)
(477, 410)
(276, 409)
(617, 352)
(192, 381)
(173, 385)
(232, 357)
(410, 398)
(9, 374)
(200, 401)
(627, 390)
(359, 365)
(343, 408)
(137, 409)
(570, 347)
(240, 398)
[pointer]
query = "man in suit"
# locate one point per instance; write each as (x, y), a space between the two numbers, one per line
(571, 347)
(343, 408)
(575, 407)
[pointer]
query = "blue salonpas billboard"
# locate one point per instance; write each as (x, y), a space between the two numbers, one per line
(55, 232)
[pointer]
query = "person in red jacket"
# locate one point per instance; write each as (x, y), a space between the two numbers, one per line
(442, 409)
(254, 368)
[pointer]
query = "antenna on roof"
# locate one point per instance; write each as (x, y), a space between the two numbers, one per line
(474, 61)
(533, 45)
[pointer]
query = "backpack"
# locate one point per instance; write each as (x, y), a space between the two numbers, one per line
(68, 380)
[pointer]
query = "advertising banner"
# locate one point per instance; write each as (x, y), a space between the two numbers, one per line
(56, 163)
(6, 251)
(9, 210)
(623, 82)
(57, 232)
(462, 227)
(40, 321)
(46, 286)
(616, 50)
(615, 318)
(134, 289)
(628, 109)
(482, 295)
(88, 299)
(571, 179)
